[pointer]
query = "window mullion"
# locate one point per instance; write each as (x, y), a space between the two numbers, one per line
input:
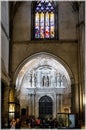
(44, 25)
(39, 24)
(49, 24)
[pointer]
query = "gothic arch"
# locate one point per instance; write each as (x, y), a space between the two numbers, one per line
(28, 59)
(36, 62)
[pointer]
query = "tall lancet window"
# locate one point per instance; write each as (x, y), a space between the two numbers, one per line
(44, 20)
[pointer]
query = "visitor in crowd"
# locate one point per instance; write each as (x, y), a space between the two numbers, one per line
(18, 123)
(13, 124)
(38, 122)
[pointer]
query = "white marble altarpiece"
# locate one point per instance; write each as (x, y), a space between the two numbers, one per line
(44, 76)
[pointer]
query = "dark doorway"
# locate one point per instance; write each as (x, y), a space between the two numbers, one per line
(45, 107)
(23, 114)
(23, 111)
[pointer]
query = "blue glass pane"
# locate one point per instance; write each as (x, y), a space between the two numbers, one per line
(49, 4)
(42, 8)
(39, 4)
(37, 9)
(47, 9)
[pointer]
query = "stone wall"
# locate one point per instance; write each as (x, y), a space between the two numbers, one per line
(23, 47)
(4, 62)
(65, 19)
(66, 51)
(5, 34)
(81, 57)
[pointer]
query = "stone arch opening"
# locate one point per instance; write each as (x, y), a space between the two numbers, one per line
(40, 74)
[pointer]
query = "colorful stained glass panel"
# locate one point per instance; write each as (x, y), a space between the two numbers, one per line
(37, 25)
(44, 19)
(47, 25)
(52, 25)
(41, 25)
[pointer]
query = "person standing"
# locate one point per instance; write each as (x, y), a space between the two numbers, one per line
(18, 123)
(13, 124)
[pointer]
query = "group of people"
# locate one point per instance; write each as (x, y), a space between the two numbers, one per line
(32, 122)
(15, 123)
(41, 123)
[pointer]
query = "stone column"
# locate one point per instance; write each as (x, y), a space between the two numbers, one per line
(57, 103)
(33, 79)
(36, 106)
(33, 104)
(29, 106)
(54, 108)
(38, 79)
(60, 102)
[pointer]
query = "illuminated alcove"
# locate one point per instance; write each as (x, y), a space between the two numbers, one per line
(43, 74)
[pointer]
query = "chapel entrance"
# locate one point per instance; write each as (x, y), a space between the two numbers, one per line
(45, 107)
(44, 86)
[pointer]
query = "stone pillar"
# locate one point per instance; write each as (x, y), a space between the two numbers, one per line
(34, 105)
(33, 80)
(29, 107)
(31, 104)
(57, 103)
(60, 102)
(54, 107)
(38, 79)
(32, 108)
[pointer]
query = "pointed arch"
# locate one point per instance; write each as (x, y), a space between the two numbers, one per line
(40, 55)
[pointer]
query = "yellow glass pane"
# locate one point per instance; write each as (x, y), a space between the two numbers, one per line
(41, 25)
(52, 25)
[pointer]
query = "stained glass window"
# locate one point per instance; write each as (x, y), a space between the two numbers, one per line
(44, 19)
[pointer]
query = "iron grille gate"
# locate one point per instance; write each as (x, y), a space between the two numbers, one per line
(45, 107)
